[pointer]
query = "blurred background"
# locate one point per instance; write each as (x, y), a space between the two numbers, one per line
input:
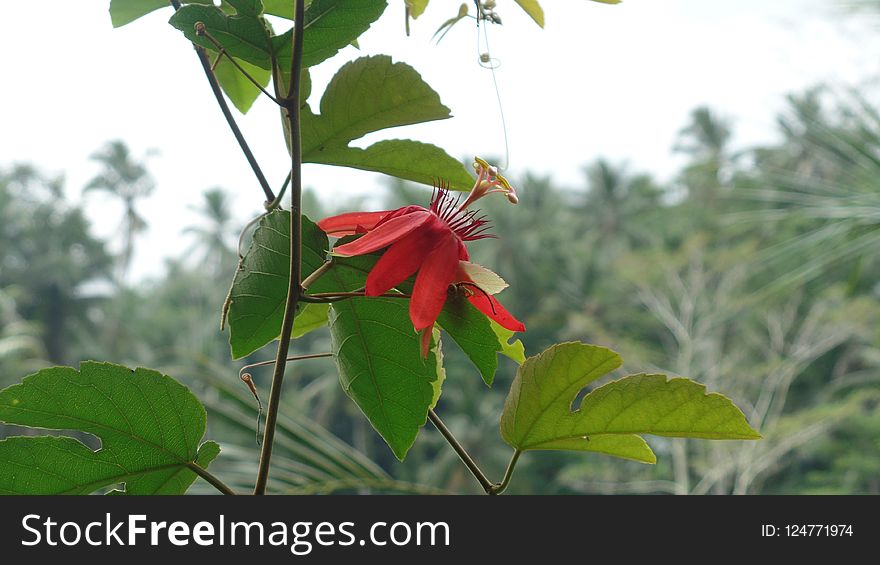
(700, 191)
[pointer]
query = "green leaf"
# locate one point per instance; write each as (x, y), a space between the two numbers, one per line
(437, 385)
(416, 7)
(514, 350)
(368, 95)
(126, 11)
(538, 410)
(149, 426)
(311, 318)
(243, 35)
(378, 356)
(402, 158)
(331, 25)
(534, 10)
(473, 333)
(626, 446)
(241, 91)
(655, 404)
(259, 289)
(281, 8)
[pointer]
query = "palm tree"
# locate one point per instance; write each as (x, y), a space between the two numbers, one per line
(706, 139)
(822, 184)
(615, 213)
(49, 261)
(213, 237)
(129, 181)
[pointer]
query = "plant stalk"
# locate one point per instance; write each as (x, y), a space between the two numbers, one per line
(224, 107)
(500, 487)
(290, 103)
(462, 453)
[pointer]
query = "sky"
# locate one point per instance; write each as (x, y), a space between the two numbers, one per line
(611, 81)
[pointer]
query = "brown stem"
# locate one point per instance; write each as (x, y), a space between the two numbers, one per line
(462, 453)
(294, 288)
(224, 107)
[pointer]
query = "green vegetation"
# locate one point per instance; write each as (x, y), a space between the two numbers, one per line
(754, 272)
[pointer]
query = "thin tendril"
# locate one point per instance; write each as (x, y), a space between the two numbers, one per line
(492, 66)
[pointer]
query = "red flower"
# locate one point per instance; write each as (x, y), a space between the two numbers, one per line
(427, 241)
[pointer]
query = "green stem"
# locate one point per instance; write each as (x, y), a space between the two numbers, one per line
(224, 107)
(309, 280)
(462, 453)
(277, 202)
(214, 481)
(292, 358)
(324, 297)
(290, 104)
(500, 487)
(221, 51)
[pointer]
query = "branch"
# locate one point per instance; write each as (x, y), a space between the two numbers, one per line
(462, 453)
(500, 487)
(290, 104)
(224, 107)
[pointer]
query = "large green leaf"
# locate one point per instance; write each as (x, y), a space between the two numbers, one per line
(538, 412)
(259, 289)
(241, 91)
(368, 95)
(149, 425)
(473, 333)
(378, 356)
(243, 35)
(329, 26)
(126, 11)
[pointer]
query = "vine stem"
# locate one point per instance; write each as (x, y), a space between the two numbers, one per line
(462, 453)
(500, 487)
(214, 481)
(293, 358)
(224, 107)
(291, 106)
(326, 297)
(309, 280)
(221, 52)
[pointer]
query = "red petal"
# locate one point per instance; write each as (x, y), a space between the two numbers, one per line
(494, 310)
(400, 261)
(384, 235)
(462, 251)
(435, 276)
(425, 340)
(352, 222)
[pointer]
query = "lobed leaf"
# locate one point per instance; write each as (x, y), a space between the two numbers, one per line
(149, 425)
(368, 95)
(538, 411)
(243, 35)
